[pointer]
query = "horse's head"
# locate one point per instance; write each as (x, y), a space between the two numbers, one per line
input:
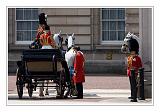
(58, 39)
(70, 40)
(130, 44)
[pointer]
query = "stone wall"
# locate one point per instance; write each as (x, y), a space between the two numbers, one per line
(85, 23)
(71, 20)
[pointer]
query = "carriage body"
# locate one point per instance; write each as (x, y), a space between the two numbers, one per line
(39, 65)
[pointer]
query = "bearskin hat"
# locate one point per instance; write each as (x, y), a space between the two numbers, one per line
(133, 45)
(42, 19)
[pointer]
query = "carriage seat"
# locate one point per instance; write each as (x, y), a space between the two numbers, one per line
(41, 54)
(42, 59)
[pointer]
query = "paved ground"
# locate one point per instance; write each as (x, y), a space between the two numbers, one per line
(91, 82)
(98, 90)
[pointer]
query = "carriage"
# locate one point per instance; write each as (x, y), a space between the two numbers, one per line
(40, 65)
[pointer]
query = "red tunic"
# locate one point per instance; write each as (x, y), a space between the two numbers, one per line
(79, 68)
(133, 62)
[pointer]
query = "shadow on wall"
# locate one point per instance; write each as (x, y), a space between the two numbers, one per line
(96, 66)
(105, 66)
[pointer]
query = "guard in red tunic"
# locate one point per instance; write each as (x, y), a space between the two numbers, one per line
(134, 62)
(134, 67)
(79, 76)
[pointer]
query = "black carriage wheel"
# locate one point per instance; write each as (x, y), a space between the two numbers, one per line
(19, 83)
(30, 89)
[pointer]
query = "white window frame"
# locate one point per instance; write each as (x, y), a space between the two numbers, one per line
(109, 42)
(23, 42)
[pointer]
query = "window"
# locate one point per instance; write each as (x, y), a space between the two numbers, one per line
(112, 24)
(26, 24)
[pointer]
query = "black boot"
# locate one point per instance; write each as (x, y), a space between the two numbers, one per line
(131, 97)
(141, 93)
(133, 100)
(133, 86)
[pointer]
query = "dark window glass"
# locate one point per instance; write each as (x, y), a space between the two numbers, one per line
(113, 24)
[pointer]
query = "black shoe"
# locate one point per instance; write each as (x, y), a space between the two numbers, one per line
(133, 100)
(141, 98)
(130, 97)
(78, 98)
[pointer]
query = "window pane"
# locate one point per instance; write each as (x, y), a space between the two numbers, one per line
(113, 35)
(121, 25)
(23, 25)
(27, 14)
(26, 36)
(27, 27)
(105, 25)
(19, 25)
(19, 35)
(28, 8)
(105, 8)
(112, 25)
(34, 14)
(23, 35)
(105, 35)
(34, 34)
(121, 35)
(121, 14)
(105, 14)
(34, 25)
(113, 14)
(19, 14)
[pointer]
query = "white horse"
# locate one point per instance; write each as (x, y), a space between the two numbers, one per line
(69, 57)
(58, 39)
(70, 54)
(70, 40)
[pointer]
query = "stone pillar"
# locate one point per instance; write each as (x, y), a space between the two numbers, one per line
(145, 28)
(11, 25)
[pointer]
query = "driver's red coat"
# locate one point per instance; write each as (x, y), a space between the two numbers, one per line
(79, 68)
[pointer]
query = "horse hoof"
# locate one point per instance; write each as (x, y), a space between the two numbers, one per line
(41, 95)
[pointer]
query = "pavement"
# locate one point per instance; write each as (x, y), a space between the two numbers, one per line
(100, 89)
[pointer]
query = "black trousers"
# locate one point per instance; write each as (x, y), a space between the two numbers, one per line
(79, 87)
(133, 87)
